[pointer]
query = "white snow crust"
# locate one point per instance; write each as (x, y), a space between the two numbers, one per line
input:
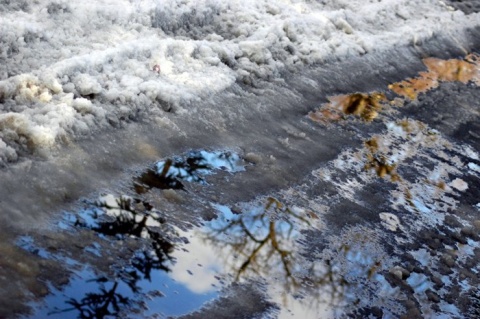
(71, 69)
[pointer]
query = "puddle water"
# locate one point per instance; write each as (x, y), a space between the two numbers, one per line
(172, 172)
(139, 282)
(175, 271)
(263, 242)
(139, 288)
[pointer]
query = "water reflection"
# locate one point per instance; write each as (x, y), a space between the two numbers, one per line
(263, 242)
(89, 295)
(125, 217)
(368, 105)
(104, 303)
(439, 70)
(136, 285)
(365, 106)
(139, 279)
(260, 240)
(170, 173)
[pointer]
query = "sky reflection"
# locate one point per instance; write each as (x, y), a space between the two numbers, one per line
(136, 288)
(172, 172)
(262, 242)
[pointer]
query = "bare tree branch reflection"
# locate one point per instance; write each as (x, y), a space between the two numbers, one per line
(365, 106)
(123, 217)
(170, 173)
(264, 238)
(106, 303)
(126, 217)
(263, 242)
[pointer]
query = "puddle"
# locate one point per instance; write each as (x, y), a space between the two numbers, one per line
(139, 288)
(263, 242)
(193, 167)
(128, 270)
(173, 272)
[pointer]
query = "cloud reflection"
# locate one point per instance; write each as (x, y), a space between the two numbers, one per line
(263, 242)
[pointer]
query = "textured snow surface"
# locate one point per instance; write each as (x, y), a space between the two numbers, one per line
(71, 69)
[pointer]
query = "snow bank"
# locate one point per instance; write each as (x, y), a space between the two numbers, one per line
(70, 69)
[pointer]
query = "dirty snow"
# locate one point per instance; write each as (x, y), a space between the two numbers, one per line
(68, 70)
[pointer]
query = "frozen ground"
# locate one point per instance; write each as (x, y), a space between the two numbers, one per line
(315, 208)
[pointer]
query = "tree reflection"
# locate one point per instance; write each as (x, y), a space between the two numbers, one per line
(262, 242)
(170, 173)
(259, 238)
(106, 303)
(126, 217)
(121, 218)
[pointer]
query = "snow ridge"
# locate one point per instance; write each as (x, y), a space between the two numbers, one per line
(69, 70)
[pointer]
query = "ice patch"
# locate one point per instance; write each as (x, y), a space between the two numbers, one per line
(459, 184)
(109, 201)
(474, 167)
(422, 256)
(390, 221)
(419, 282)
